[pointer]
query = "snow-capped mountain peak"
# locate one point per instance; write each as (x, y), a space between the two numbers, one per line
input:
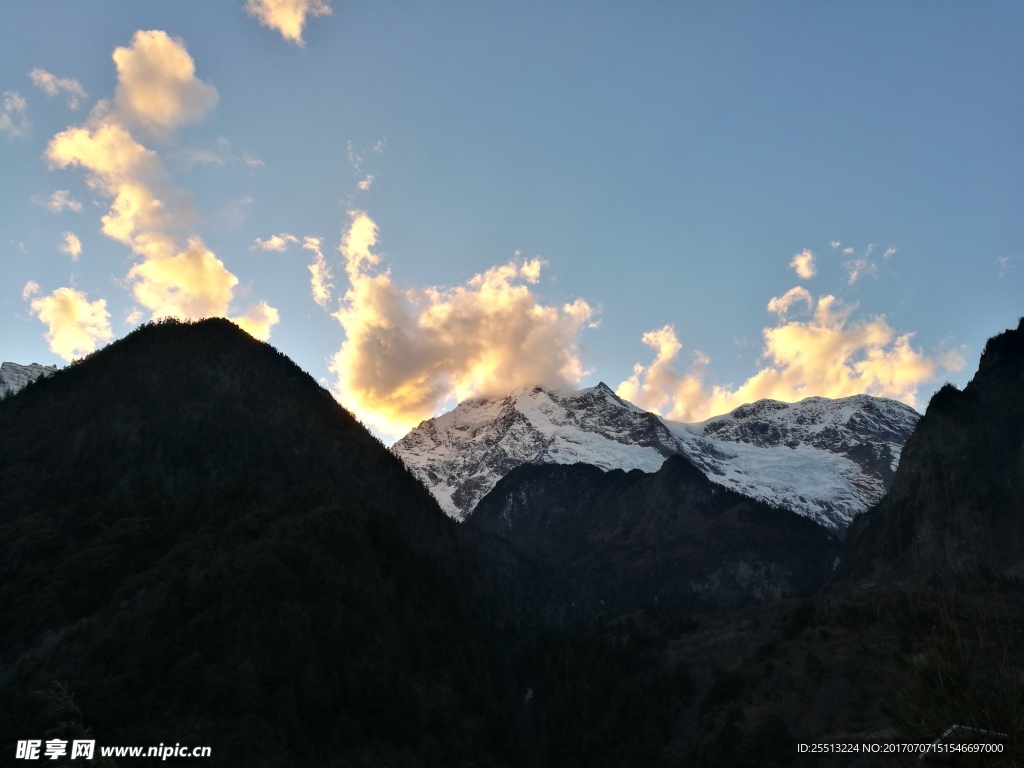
(462, 454)
(826, 459)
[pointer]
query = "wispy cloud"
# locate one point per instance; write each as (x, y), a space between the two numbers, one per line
(51, 85)
(408, 350)
(13, 120)
(31, 289)
(71, 245)
(863, 265)
(830, 355)
(75, 325)
(58, 201)
(803, 264)
(320, 273)
(274, 242)
(287, 16)
(1006, 263)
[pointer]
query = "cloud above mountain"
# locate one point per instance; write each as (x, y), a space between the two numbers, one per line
(175, 275)
(409, 350)
(75, 325)
(828, 354)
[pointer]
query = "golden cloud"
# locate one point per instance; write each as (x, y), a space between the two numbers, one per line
(76, 325)
(157, 85)
(287, 16)
(157, 89)
(258, 321)
(407, 351)
(828, 355)
(191, 283)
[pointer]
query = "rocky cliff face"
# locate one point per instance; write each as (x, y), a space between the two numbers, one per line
(670, 538)
(14, 377)
(956, 506)
(825, 459)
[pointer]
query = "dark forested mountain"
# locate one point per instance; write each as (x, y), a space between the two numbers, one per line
(956, 506)
(201, 546)
(671, 538)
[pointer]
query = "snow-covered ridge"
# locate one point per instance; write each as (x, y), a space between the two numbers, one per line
(826, 459)
(462, 454)
(14, 376)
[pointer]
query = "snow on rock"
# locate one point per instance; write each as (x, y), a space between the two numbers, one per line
(14, 376)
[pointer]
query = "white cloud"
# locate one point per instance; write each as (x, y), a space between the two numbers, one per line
(274, 242)
(76, 326)
(51, 85)
(829, 355)
(407, 351)
(31, 289)
(13, 121)
(803, 264)
(71, 245)
(287, 16)
(834, 244)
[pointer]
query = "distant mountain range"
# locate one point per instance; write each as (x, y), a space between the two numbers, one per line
(14, 377)
(828, 460)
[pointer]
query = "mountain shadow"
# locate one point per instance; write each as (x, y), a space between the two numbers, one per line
(670, 538)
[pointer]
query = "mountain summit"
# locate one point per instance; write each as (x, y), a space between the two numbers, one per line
(825, 459)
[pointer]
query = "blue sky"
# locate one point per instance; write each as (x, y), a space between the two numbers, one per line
(614, 172)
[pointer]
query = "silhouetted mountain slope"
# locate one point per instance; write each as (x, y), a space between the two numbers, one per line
(956, 506)
(670, 537)
(205, 548)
